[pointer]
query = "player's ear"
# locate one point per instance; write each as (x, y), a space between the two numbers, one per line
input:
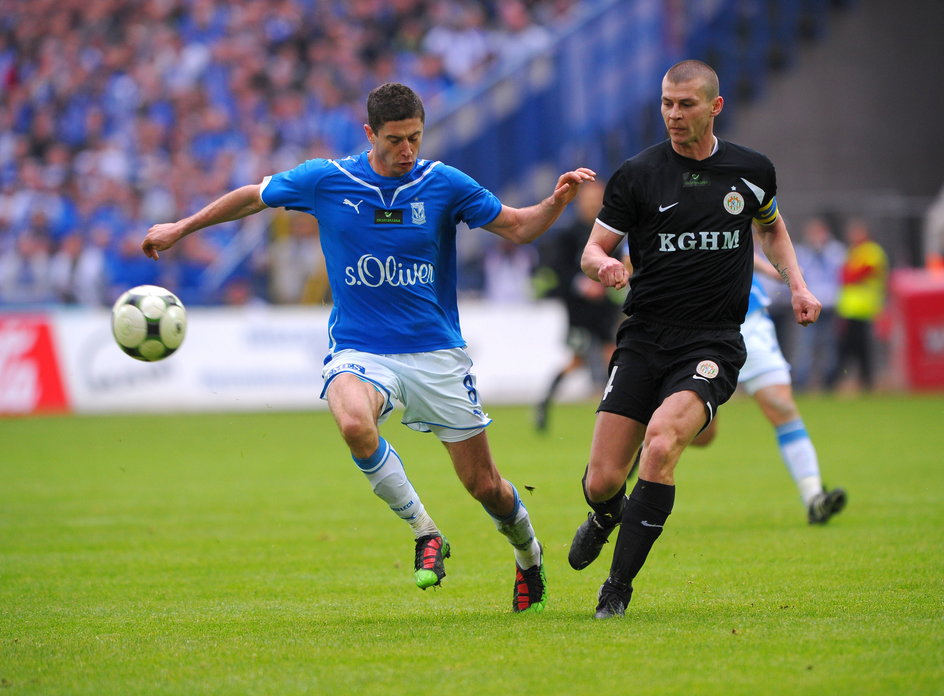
(716, 105)
(368, 131)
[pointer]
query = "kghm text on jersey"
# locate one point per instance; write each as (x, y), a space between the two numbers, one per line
(707, 241)
(374, 272)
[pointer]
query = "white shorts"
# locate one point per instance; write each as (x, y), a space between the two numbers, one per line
(437, 389)
(765, 364)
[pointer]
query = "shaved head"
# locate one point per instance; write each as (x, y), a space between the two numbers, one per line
(689, 70)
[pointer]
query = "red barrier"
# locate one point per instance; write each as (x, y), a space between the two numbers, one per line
(30, 377)
(918, 318)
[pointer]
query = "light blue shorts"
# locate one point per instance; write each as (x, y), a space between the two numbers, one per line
(437, 389)
(765, 364)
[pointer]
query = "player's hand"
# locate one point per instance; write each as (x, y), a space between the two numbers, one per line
(612, 273)
(568, 183)
(160, 238)
(806, 307)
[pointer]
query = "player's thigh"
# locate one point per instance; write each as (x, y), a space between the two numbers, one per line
(352, 400)
(363, 377)
(681, 414)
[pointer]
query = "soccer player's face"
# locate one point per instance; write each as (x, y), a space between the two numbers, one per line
(395, 147)
(687, 111)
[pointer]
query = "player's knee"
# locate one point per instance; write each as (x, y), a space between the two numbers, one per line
(486, 489)
(602, 484)
(660, 454)
(780, 408)
(360, 434)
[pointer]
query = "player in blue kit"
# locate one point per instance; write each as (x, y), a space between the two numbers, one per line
(388, 221)
(765, 376)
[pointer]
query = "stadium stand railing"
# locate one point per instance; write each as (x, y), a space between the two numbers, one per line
(588, 100)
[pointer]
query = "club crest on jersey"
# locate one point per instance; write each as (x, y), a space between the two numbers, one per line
(418, 212)
(734, 202)
(707, 369)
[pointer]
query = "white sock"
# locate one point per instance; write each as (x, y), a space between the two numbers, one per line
(516, 526)
(384, 469)
(799, 455)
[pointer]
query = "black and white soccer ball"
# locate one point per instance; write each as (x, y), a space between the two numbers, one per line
(148, 322)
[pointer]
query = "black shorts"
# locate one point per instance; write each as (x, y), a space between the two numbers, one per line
(652, 361)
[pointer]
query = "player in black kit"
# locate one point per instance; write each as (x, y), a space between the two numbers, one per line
(686, 207)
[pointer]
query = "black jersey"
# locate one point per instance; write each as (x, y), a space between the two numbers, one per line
(688, 226)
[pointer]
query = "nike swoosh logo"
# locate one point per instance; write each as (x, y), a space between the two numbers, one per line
(699, 377)
(663, 208)
(647, 524)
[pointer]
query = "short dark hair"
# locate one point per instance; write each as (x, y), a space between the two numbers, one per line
(695, 70)
(393, 101)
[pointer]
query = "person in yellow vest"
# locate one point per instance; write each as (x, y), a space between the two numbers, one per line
(861, 299)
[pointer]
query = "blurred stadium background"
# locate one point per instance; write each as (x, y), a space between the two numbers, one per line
(115, 114)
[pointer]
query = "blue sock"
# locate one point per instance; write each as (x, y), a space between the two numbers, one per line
(798, 453)
(384, 469)
(516, 526)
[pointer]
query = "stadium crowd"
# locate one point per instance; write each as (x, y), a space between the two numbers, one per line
(115, 114)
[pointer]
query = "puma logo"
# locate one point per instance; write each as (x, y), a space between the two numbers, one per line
(353, 205)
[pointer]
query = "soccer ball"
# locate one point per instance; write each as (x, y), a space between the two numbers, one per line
(148, 322)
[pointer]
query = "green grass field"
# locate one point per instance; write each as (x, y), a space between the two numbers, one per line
(244, 554)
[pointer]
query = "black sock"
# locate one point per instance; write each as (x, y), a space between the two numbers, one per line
(644, 515)
(555, 383)
(609, 511)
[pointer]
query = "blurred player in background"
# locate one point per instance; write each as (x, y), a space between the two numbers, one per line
(592, 313)
(766, 377)
(686, 208)
(387, 221)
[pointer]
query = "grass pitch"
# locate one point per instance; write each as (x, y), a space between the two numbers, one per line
(244, 554)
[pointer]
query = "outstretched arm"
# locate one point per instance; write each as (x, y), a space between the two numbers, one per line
(234, 205)
(775, 241)
(521, 225)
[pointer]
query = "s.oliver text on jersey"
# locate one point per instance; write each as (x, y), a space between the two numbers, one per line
(374, 272)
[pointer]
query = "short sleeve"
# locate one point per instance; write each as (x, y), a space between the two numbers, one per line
(475, 204)
(294, 188)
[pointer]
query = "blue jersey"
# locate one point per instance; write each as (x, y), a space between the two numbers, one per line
(759, 298)
(389, 246)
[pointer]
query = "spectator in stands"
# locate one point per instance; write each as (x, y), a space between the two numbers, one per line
(518, 38)
(125, 268)
(24, 270)
(458, 36)
(298, 272)
(150, 94)
(821, 257)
